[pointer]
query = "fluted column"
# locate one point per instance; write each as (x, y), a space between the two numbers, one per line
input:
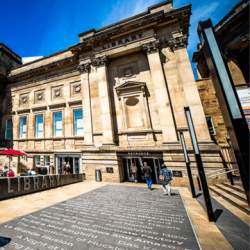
(106, 115)
(162, 97)
(84, 68)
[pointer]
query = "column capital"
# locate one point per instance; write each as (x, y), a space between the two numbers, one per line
(151, 46)
(84, 67)
(100, 61)
(177, 42)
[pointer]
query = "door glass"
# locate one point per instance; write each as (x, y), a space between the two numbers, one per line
(77, 165)
(59, 165)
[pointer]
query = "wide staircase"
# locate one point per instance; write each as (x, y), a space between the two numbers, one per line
(234, 194)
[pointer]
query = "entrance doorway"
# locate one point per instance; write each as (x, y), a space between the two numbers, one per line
(153, 162)
(72, 161)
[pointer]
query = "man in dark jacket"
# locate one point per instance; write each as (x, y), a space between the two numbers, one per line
(166, 177)
(147, 171)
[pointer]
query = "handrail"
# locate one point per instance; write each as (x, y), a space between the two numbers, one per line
(216, 171)
(226, 172)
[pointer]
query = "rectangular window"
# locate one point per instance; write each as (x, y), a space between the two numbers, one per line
(78, 122)
(57, 124)
(8, 129)
(39, 126)
(37, 160)
(46, 160)
(23, 127)
(210, 125)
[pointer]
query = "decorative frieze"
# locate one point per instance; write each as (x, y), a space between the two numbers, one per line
(151, 46)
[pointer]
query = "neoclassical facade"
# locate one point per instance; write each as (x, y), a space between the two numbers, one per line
(115, 98)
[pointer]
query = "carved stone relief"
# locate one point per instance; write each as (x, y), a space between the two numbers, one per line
(57, 92)
(24, 99)
(39, 96)
(75, 88)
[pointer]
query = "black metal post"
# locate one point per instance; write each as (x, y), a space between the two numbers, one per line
(200, 167)
(228, 99)
(187, 160)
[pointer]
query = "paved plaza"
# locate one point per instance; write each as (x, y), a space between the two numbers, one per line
(111, 217)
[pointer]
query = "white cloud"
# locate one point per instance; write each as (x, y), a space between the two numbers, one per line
(126, 8)
(30, 59)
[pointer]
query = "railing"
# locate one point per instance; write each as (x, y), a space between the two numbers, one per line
(218, 173)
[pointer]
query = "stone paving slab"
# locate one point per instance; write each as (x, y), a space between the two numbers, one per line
(111, 217)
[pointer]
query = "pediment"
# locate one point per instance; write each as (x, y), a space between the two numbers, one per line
(131, 86)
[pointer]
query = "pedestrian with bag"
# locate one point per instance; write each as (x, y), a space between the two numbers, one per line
(147, 171)
(166, 176)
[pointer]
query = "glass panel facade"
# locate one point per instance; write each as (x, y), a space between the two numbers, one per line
(23, 127)
(8, 130)
(57, 124)
(78, 122)
(39, 126)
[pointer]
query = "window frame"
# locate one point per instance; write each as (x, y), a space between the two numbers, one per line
(211, 128)
(53, 124)
(74, 122)
(7, 129)
(35, 126)
(19, 127)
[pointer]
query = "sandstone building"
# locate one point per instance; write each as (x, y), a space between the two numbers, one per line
(232, 33)
(116, 97)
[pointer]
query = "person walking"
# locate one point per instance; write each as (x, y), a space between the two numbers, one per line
(166, 176)
(147, 171)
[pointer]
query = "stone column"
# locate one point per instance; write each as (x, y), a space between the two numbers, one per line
(106, 113)
(84, 69)
(166, 118)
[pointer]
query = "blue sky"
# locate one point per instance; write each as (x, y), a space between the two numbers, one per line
(42, 27)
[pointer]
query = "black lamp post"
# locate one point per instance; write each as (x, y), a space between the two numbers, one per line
(199, 163)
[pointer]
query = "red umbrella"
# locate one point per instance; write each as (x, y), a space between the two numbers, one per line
(11, 152)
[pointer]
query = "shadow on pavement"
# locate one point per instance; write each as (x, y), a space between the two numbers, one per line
(4, 241)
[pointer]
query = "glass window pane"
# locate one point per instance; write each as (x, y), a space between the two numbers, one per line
(8, 129)
(46, 160)
(78, 122)
(37, 160)
(57, 124)
(23, 127)
(39, 126)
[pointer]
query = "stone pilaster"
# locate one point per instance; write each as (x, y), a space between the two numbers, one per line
(166, 118)
(84, 68)
(107, 126)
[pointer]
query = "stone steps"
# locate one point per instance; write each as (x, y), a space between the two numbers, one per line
(236, 199)
(236, 187)
(232, 191)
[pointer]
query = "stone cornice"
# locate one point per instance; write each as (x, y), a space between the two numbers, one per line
(151, 20)
(44, 69)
